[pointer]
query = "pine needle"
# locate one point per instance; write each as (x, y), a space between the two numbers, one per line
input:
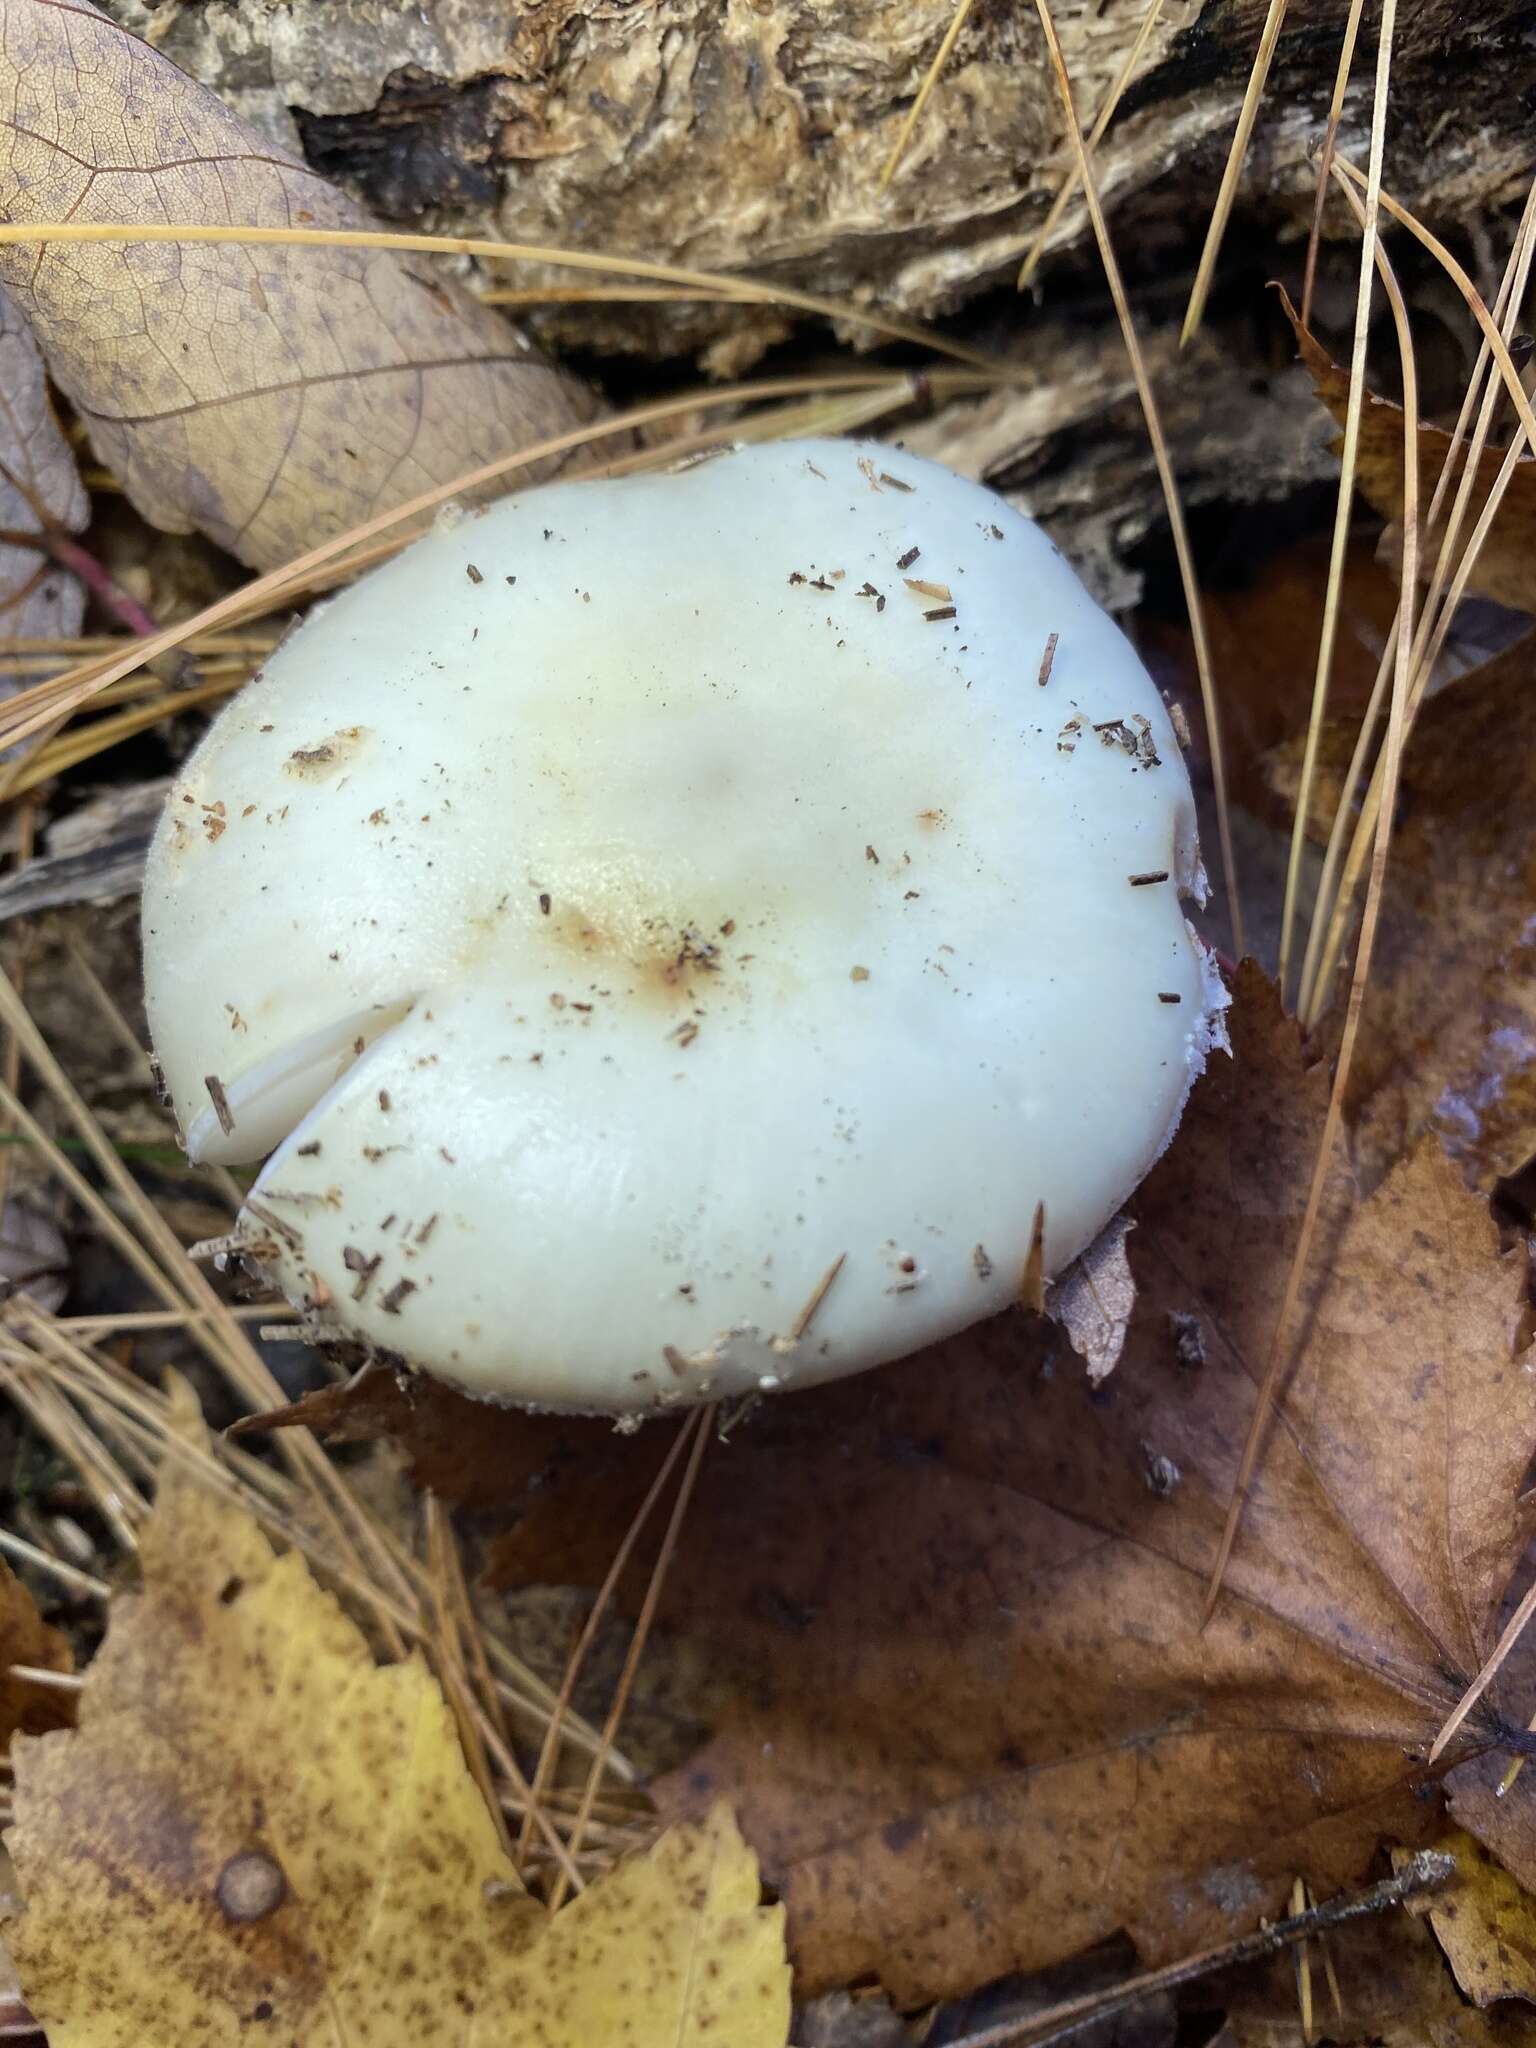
(1325, 159)
(1258, 77)
(698, 1425)
(44, 1561)
(1332, 913)
(1278, 1357)
(549, 1752)
(1344, 505)
(1105, 115)
(930, 79)
(738, 290)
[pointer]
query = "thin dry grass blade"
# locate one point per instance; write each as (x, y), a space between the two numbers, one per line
(931, 78)
(44, 1561)
(1333, 909)
(579, 1650)
(112, 1492)
(1170, 488)
(221, 1338)
(606, 295)
(21, 1120)
(448, 1661)
(1105, 115)
(1514, 1628)
(741, 290)
(84, 743)
(1325, 161)
(1391, 765)
(1344, 506)
(1303, 1956)
(10, 1065)
(699, 1425)
(1258, 77)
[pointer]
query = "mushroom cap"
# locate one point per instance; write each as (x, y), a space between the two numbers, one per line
(642, 900)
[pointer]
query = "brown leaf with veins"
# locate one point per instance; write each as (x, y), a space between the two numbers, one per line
(1506, 566)
(37, 472)
(1448, 1038)
(977, 1725)
(267, 397)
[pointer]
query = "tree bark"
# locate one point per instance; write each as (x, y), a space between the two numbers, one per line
(751, 134)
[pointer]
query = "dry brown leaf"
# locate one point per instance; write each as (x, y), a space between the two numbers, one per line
(256, 1830)
(1092, 1300)
(978, 1724)
(36, 471)
(266, 397)
(1486, 1923)
(1448, 1039)
(27, 1708)
(1506, 567)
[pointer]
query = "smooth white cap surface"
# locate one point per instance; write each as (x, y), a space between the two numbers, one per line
(639, 897)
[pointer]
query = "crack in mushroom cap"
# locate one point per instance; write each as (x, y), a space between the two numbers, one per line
(643, 897)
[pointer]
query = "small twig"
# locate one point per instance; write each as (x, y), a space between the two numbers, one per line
(65, 552)
(1425, 1871)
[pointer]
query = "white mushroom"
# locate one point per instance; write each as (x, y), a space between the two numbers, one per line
(676, 932)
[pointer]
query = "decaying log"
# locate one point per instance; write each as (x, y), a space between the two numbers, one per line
(751, 133)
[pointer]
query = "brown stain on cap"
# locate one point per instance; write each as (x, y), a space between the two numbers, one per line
(323, 759)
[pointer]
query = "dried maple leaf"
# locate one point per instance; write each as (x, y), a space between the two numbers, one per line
(267, 397)
(1506, 566)
(37, 471)
(979, 1724)
(1448, 1038)
(255, 1827)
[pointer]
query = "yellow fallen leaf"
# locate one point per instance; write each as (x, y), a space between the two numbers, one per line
(671, 1950)
(1485, 1922)
(258, 1834)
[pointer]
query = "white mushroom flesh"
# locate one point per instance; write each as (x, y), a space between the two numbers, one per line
(676, 931)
